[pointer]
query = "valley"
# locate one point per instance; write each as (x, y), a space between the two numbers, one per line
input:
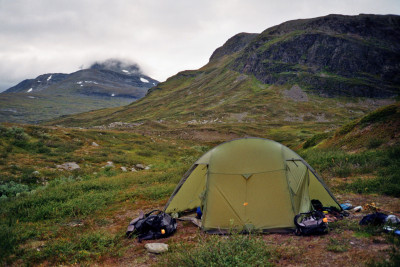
(327, 88)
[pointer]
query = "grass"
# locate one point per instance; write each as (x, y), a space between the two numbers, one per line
(394, 254)
(337, 163)
(76, 250)
(337, 246)
(104, 200)
(234, 250)
(32, 212)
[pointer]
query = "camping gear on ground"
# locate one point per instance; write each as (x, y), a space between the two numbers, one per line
(389, 229)
(346, 206)
(371, 207)
(148, 226)
(376, 218)
(311, 223)
(358, 208)
(317, 205)
(198, 213)
(392, 219)
(250, 183)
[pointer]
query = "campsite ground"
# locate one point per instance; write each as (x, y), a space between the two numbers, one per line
(79, 217)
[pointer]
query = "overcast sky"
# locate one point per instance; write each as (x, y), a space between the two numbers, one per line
(162, 36)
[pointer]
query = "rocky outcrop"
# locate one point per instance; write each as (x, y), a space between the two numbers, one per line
(332, 55)
(233, 45)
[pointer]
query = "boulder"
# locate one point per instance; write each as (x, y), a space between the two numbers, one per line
(133, 169)
(95, 144)
(140, 166)
(69, 166)
(156, 248)
(123, 169)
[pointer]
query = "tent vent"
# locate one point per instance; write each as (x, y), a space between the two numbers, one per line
(247, 175)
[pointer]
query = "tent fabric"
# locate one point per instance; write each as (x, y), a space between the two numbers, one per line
(249, 183)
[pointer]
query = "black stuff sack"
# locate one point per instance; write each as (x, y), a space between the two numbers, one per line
(376, 218)
(152, 226)
(310, 223)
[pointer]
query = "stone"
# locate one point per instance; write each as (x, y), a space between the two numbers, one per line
(133, 169)
(147, 168)
(68, 166)
(95, 144)
(140, 166)
(123, 169)
(156, 248)
(110, 164)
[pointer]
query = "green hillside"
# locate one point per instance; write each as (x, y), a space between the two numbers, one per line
(292, 74)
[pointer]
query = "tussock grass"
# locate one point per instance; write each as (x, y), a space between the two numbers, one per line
(234, 250)
(383, 163)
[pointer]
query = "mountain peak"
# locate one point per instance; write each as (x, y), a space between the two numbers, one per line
(117, 65)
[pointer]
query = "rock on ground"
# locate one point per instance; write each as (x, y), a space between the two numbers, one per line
(69, 166)
(140, 166)
(156, 248)
(110, 164)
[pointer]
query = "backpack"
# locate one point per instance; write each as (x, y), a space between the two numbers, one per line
(310, 223)
(152, 226)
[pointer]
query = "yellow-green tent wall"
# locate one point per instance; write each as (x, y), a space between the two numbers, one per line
(249, 183)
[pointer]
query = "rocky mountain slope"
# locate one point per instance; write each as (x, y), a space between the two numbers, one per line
(310, 75)
(333, 55)
(107, 84)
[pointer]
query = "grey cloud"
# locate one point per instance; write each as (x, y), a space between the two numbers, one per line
(162, 36)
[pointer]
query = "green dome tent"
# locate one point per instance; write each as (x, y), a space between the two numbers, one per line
(249, 183)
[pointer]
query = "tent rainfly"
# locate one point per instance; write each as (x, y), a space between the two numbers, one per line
(249, 184)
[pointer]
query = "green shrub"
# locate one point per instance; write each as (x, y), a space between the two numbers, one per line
(234, 250)
(11, 189)
(8, 241)
(315, 140)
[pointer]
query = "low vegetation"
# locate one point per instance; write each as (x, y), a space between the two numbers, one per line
(41, 203)
(234, 250)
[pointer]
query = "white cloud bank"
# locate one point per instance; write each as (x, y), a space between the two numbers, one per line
(162, 36)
